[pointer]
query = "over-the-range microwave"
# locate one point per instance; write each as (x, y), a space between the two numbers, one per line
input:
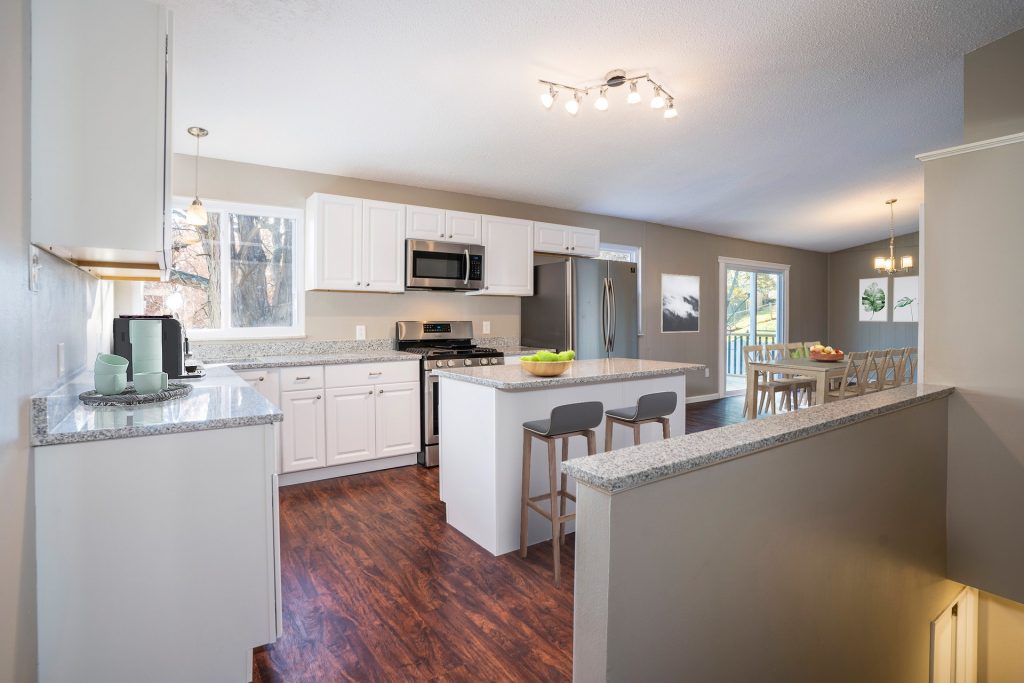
(433, 264)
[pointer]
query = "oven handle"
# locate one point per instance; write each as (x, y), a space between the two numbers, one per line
(429, 384)
(465, 281)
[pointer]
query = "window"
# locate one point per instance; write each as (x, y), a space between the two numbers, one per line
(629, 254)
(240, 275)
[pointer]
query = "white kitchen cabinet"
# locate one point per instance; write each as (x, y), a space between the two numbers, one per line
(398, 418)
(302, 431)
(334, 242)
(565, 239)
(424, 223)
(464, 228)
(100, 133)
(264, 381)
(508, 257)
(351, 424)
(354, 244)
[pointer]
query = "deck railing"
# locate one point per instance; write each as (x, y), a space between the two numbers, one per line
(735, 364)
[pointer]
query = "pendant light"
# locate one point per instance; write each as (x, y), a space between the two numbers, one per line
(887, 265)
(196, 214)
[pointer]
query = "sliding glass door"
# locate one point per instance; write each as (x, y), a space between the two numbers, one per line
(754, 315)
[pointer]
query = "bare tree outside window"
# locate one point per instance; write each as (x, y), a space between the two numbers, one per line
(195, 274)
(261, 271)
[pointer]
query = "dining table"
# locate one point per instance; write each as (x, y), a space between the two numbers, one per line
(819, 370)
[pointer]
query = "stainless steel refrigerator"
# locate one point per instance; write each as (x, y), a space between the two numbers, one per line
(588, 305)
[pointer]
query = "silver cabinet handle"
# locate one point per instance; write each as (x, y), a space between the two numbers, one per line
(465, 280)
(451, 235)
(370, 392)
(301, 379)
(261, 378)
(359, 284)
(567, 248)
(375, 373)
(318, 397)
(367, 284)
(380, 391)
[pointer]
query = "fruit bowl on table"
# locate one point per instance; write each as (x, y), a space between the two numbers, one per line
(827, 357)
(548, 368)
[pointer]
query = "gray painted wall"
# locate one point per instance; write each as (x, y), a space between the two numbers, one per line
(845, 269)
(819, 560)
(334, 315)
(70, 307)
(971, 316)
(993, 96)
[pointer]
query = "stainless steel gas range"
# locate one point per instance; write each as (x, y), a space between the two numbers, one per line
(440, 344)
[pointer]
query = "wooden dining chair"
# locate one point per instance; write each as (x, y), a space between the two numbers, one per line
(910, 365)
(854, 377)
(754, 353)
(780, 382)
(800, 350)
(877, 364)
(895, 369)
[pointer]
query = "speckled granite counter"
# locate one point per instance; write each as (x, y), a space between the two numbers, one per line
(635, 466)
(514, 350)
(294, 360)
(221, 399)
(515, 378)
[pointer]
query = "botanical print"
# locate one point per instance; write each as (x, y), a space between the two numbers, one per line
(905, 300)
(873, 299)
(680, 303)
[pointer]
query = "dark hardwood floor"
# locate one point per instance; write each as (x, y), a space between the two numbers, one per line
(377, 587)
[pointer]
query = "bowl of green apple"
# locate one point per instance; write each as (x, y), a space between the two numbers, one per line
(548, 363)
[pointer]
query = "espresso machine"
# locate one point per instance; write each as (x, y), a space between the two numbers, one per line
(174, 343)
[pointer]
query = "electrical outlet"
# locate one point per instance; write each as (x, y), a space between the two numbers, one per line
(487, 327)
(360, 332)
(60, 359)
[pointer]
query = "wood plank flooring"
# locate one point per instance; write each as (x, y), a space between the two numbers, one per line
(377, 587)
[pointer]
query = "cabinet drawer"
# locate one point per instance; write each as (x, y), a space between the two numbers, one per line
(372, 373)
(305, 377)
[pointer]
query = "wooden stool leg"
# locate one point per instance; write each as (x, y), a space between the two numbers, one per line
(553, 497)
(591, 442)
(561, 498)
(608, 422)
(666, 431)
(636, 435)
(524, 513)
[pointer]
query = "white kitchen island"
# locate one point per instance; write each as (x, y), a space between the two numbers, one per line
(482, 411)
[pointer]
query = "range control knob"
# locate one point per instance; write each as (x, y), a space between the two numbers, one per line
(494, 361)
(468, 361)
(440, 364)
(451, 364)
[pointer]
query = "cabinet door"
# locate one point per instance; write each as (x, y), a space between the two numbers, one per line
(465, 228)
(350, 420)
(508, 258)
(383, 247)
(302, 431)
(424, 223)
(398, 418)
(585, 242)
(334, 242)
(551, 238)
(263, 381)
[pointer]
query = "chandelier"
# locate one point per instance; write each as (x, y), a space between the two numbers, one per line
(615, 78)
(887, 265)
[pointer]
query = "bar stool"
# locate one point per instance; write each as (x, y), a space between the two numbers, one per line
(573, 419)
(650, 408)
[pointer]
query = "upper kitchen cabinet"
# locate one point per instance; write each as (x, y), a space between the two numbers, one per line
(355, 244)
(424, 223)
(564, 239)
(508, 256)
(100, 142)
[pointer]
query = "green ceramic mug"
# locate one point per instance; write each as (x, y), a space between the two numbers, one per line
(150, 382)
(109, 364)
(110, 384)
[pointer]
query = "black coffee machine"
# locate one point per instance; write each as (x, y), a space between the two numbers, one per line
(174, 344)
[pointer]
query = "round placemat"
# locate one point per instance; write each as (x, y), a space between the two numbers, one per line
(128, 397)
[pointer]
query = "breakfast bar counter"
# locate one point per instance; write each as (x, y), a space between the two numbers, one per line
(481, 411)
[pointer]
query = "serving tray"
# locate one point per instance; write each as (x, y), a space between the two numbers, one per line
(128, 397)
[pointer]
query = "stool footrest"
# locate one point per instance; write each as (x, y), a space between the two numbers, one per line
(543, 512)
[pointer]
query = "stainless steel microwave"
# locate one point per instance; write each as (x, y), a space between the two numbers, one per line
(433, 264)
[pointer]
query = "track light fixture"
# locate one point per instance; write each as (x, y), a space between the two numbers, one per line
(613, 79)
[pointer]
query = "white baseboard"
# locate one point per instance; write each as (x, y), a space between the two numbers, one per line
(705, 397)
(345, 470)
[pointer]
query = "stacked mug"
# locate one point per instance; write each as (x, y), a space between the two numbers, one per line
(146, 337)
(111, 374)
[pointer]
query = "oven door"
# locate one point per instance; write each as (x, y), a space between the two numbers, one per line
(443, 265)
(431, 418)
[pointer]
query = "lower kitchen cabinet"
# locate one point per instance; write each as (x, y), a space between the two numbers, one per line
(264, 381)
(351, 424)
(398, 419)
(302, 431)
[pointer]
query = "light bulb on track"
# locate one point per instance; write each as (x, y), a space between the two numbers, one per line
(573, 105)
(548, 98)
(671, 112)
(634, 96)
(601, 103)
(658, 101)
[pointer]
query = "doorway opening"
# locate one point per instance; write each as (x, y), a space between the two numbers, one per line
(753, 310)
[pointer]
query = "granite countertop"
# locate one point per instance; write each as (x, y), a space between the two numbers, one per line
(515, 350)
(515, 378)
(221, 399)
(293, 360)
(635, 466)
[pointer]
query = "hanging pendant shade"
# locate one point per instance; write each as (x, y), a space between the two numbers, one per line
(196, 214)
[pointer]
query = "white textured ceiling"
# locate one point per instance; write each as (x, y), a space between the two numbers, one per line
(798, 117)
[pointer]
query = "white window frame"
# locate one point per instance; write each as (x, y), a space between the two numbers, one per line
(226, 332)
(636, 256)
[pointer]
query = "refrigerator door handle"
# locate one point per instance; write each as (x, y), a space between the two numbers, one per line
(605, 313)
(613, 316)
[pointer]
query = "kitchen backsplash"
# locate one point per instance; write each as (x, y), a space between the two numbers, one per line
(209, 351)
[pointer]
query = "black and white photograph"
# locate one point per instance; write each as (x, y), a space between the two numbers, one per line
(680, 303)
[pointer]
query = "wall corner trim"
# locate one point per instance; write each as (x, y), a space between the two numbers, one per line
(972, 147)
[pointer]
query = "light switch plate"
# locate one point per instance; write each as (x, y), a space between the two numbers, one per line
(360, 332)
(487, 327)
(60, 360)
(707, 372)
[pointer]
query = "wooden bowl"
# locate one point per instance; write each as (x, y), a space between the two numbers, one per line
(826, 357)
(546, 369)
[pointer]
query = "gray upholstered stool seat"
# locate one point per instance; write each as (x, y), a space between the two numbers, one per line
(649, 408)
(574, 419)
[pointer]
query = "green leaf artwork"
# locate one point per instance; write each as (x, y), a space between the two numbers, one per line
(873, 299)
(905, 301)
